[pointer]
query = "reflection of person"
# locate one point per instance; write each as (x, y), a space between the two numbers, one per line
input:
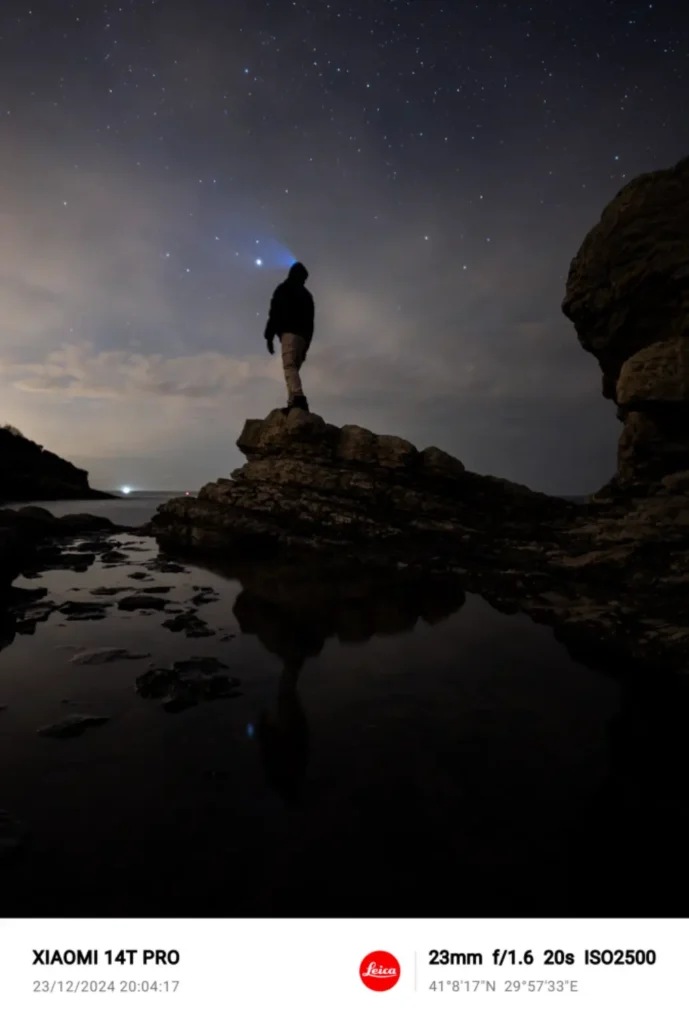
(283, 732)
(283, 736)
(291, 319)
(293, 614)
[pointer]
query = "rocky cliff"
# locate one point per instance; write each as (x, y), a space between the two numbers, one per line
(628, 297)
(611, 576)
(30, 473)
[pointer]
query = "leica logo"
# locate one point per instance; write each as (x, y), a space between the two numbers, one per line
(379, 971)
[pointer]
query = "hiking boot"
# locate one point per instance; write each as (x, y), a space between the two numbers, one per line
(300, 403)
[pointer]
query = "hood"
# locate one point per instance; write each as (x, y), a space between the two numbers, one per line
(298, 273)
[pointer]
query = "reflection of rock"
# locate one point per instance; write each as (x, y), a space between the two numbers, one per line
(72, 725)
(187, 682)
(293, 609)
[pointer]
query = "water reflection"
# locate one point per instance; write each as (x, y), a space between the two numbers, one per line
(293, 613)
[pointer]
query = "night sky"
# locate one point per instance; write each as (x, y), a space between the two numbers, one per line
(435, 164)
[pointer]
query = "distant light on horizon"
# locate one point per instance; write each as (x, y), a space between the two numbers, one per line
(126, 490)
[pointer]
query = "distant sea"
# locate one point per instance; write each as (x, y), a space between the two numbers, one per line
(132, 509)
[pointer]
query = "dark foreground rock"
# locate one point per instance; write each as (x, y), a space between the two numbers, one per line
(612, 575)
(105, 656)
(71, 726)
(188, 682)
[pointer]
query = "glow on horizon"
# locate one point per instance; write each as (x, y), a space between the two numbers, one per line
(126, 490)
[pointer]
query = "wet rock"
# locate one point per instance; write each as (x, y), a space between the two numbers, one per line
(139, 576)
(106, 655)
(204, 598)
(166, 567)
(3, 707)
(157, 590)
(84, 611)
(29, 617)
(136, 602)
(113, 558)
(156, 682)
(187, 682)
(199, 666)
(96, 547)
(176, 702)
(17, 597)
(72, 725)
(77, 561)
(109, 591)
(189, 623)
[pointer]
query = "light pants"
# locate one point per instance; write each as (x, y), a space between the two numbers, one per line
(293, 356)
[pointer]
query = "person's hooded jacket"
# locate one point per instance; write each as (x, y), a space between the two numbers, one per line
(291, 307)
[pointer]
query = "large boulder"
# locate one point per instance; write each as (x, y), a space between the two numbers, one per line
(628, 297)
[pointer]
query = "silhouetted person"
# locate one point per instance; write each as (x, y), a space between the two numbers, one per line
(291, 319)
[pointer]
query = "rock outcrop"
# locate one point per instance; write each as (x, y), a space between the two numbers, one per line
(611, 576)
(30, 473)
(311, 486)
(628, 297)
